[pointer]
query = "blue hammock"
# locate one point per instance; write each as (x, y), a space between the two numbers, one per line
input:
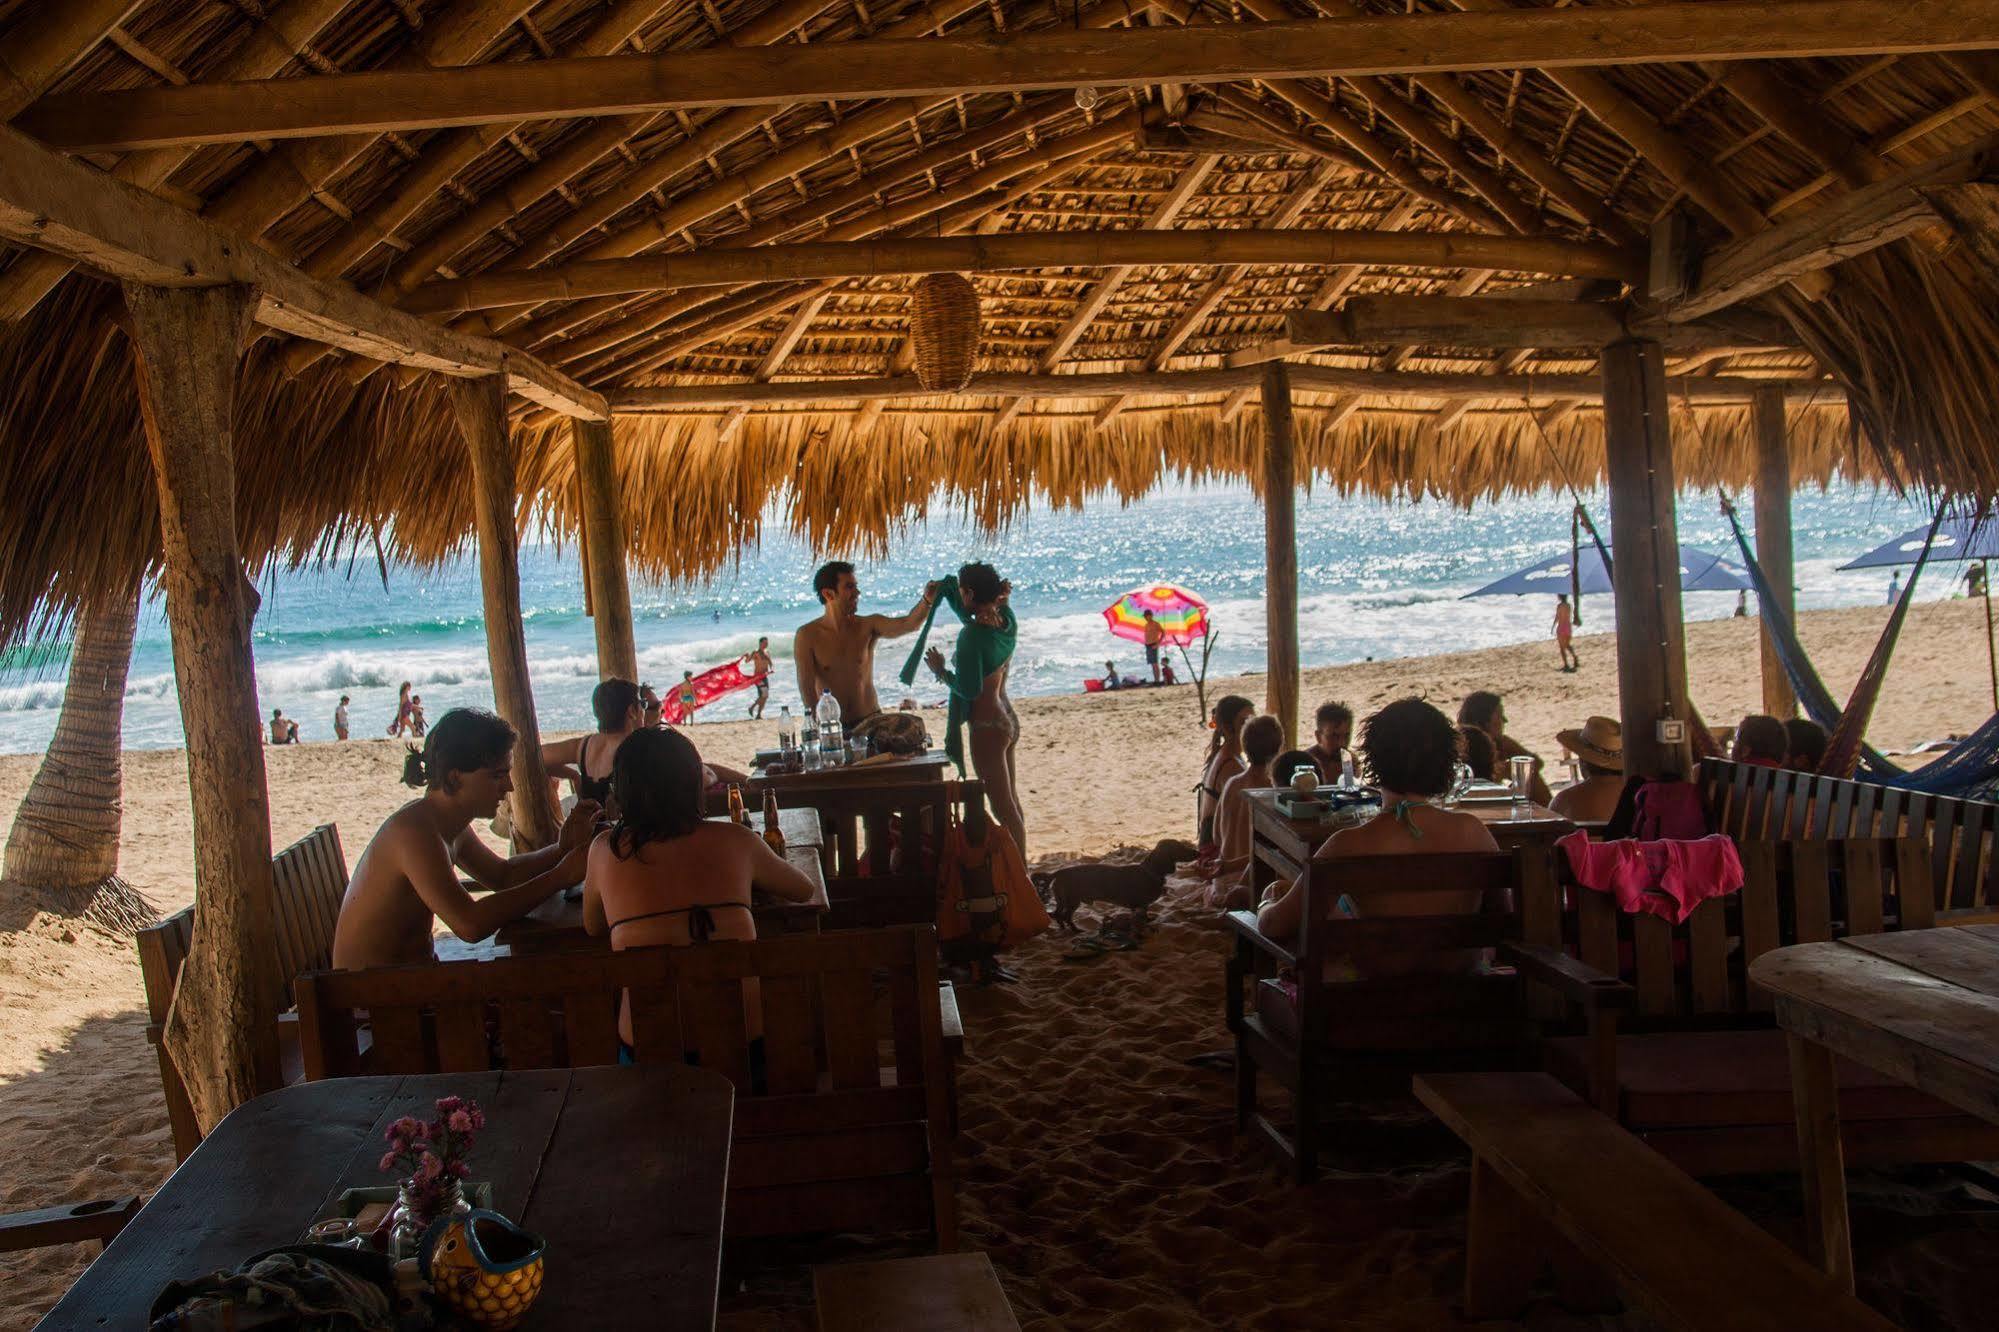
(1966, 768)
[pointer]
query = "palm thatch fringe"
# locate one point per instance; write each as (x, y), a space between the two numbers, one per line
(693, 494)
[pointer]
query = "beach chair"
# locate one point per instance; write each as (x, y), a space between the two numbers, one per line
(69, 1223)
(309, 878)
(1351, 1009)
(1698, 1069)
(828, 1137)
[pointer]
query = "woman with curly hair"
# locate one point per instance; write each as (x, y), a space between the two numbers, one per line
(1410, 751)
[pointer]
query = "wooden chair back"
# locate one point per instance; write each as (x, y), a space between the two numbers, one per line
(884, 848)
(1695, 973)
(309, 877)
(1356, 988)
(830, 1138)
(1754, 803)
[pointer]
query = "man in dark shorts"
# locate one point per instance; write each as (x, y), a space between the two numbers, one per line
(760, 668)
(1154, 636)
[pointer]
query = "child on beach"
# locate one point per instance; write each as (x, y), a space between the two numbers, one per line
(340, 718)
(1262, 738)
(1224, 761)
(417, 724)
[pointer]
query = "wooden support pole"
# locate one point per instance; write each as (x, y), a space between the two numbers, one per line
(1280, 552)
(1645, 556)
(482, 418)
(604, 554)
(222, 1032)
(1773, 538)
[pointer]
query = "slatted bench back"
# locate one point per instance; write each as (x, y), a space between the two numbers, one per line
(1751, 802)
(1695, 973)
(1346, 996)
(309, 879)
(849, 1129)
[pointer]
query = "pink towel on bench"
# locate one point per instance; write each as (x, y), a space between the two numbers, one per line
(1667, 878)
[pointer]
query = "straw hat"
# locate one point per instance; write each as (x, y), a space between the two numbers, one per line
(1600, 741)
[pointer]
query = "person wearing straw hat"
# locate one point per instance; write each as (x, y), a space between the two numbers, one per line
(1599, 748)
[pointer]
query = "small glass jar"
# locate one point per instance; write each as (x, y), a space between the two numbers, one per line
(408, 1221)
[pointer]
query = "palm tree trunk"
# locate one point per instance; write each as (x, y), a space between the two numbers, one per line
(63, 848)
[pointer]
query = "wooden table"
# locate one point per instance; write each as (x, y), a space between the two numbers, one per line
(1281, 845)
(557, 924)
(1918, 1005)
(622, 1170)
(916, 769)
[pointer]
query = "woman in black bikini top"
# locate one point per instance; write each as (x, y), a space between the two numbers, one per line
(621, 708)
(665, 875)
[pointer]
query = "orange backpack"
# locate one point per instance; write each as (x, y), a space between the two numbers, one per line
(985, 895)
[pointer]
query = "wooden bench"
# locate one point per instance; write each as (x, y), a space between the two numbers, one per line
(949, 1292)
(1554, 1183)
(309, 879)
(1698, 1069)
(77, 1223)
(1754, 803)
(1345, 1035)
(834, 1138)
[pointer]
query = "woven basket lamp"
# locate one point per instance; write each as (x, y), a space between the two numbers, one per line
(944, 330)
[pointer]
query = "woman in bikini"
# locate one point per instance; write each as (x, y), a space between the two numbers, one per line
(621, 708)
(1223, 761)
(1411, 751)
(977, 680)
(663, 875)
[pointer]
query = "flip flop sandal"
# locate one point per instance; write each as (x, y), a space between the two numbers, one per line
(1117, 940)
(1089, 948)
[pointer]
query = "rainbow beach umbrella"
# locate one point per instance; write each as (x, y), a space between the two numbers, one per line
(1179, 612)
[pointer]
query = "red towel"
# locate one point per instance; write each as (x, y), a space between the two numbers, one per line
(708, 686)
(1667, 878)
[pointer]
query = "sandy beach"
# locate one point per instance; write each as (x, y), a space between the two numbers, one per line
(1125, 1132)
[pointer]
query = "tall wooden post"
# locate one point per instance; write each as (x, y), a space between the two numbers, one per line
(482, 419)
(604, 550)
(1773, 537)
(222, 1033)
(1280, 551)
(1645, 555)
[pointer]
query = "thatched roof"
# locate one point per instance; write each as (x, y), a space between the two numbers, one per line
(338, 456)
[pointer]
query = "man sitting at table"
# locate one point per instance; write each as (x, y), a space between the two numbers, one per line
(1332, 734)
(836, 652)
(404, 882)
(1484, 710)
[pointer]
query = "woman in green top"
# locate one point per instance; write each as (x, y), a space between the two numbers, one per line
(977, 680)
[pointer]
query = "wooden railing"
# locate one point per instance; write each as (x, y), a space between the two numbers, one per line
(1752, 803)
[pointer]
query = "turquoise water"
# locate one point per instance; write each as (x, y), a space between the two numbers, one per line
(1376, 580)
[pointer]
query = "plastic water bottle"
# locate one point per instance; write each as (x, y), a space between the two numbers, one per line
(808, 739)
(832, 745)
(787, 731)
(1348, 779)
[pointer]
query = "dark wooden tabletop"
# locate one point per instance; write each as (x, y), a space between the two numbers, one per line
(557, 924)
(1510, 822)
(622, 1171)
(916, 769)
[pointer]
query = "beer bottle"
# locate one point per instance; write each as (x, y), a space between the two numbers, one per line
(773, 834)
(737, 814)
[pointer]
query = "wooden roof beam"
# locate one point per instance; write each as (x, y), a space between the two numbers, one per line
(1863, 220)
(1497, 323)
(1549, 38)
(264, 49)
(59, 204)
(787, 342)
(1305, 377)
(1029, 250)
(49, 39)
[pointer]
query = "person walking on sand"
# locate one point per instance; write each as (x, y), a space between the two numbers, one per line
(1895, 587)
(1154, 636)
(418, 726)
(402, 718)
(690, 697)
(1565, 628)
(836, 652)
(340, 718)
(760, 669)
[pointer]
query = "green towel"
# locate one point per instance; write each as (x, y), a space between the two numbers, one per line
(981, 650)
(908, 676)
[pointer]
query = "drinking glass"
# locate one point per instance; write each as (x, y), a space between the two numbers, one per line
(1522, 767)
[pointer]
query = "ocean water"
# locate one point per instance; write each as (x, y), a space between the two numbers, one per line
(1376, 580)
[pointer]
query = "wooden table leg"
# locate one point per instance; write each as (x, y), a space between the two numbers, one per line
(1815, 1093)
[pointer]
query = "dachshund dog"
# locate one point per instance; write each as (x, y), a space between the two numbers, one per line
(1135, 886)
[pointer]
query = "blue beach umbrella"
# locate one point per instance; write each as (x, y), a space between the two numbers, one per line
(1959, 537)
(1699, 572)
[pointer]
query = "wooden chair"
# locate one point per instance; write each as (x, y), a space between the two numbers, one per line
(309, 878)
(947, 1292)
(1753, 803)
(74, 1223)
(1699, 1071)
(1345, 1036)
(884, 848)
(833, 1139)
(1556, 1185)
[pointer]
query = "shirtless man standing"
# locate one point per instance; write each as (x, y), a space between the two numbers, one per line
(836, 652)
(404, 881)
